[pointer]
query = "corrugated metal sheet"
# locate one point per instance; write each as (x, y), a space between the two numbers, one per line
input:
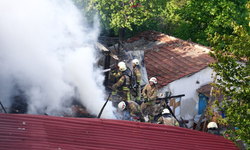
(24, 132)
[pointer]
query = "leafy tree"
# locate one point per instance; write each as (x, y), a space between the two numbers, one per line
(118, 14)
(232, 54)
(202, 17)
(169, 20)
(123, 13)
(166, 21)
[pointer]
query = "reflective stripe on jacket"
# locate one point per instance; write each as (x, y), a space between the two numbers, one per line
(137, 74)
(152, 92)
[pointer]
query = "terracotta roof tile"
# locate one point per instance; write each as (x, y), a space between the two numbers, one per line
(173, 58)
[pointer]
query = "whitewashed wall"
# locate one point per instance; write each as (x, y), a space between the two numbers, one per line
(188, 86)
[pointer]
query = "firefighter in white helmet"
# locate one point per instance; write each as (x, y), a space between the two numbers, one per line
(213, 128)
(149, 93)
(124, 82)
(167, 118)
(138, 78)
(117, 76)
(133, 108)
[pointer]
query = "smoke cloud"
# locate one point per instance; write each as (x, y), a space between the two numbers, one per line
(47, 52)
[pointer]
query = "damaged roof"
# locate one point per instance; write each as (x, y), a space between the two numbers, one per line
(206, 89)
(28, 132)
(168, 58)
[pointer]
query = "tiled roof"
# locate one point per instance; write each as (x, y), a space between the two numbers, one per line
(35, 132)
(171, 58)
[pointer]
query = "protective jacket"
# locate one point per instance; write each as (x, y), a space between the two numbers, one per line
(114, 91)
(216, 132)
(168, 120)
(135, 110)
(150, 92)
(117, 75)
(125, 84)
(137, 74)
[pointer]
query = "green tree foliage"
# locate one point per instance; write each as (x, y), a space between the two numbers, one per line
(169, 20)
(232, 54)
(124, 13)
(143, 15)
(202, 17)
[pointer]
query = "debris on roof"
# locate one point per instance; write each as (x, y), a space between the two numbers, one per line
(169, 58)
(205, 90)
(106, 50)
(28, 132)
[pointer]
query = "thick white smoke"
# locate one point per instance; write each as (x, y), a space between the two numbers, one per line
(47, 51)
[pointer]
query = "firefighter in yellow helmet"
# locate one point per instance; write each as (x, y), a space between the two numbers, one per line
(133, 108)
(124, 82)
(117, 76)
(149, 93)
(167, 119)
(138, 78)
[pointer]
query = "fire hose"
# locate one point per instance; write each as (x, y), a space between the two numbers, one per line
(104, 106)
(110, 69)
(3, 107)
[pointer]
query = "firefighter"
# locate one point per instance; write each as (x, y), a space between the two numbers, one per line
(117, 76)
(138, 78)
(167, 118)
(124, 82)
(213, 128)
(149, 93)
(133, 108)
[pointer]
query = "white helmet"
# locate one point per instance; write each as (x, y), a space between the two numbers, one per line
(154, 80)
(135, 61)
(122, 106)
(161, 95)
(212, 125)
(121, 63)
(165, 111)
(122, 66)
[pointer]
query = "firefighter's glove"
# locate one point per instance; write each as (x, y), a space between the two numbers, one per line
(145, 100)
(113, 68)
(113, 87)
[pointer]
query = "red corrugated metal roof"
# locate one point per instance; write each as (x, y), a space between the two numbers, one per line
(25, 132)
(173, 58)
